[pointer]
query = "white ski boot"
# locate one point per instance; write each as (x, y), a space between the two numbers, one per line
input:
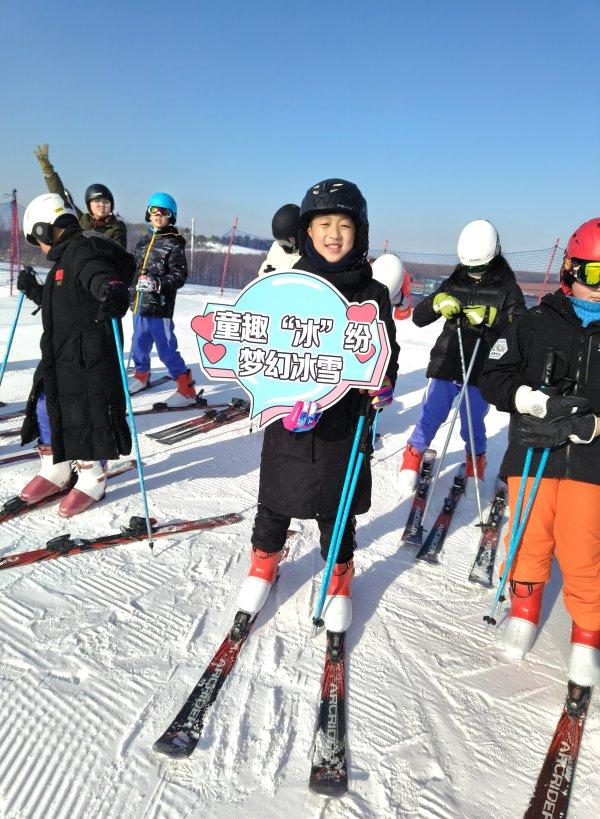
(51, 478)
(261, 576)
(185, 394)
(337, 611)
(584, 664)
(481, 462)
(409, 472)
(138, 382)
(523, 620)
(89, 489)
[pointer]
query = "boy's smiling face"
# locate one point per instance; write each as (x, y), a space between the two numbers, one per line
(332, 235)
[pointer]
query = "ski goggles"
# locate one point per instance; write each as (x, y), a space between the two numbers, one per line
(478, 269)
(587, 273)
(155, 210)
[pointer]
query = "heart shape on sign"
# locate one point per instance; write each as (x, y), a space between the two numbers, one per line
(214, 352)
(362, 313)
(204, 326)
(362, 357)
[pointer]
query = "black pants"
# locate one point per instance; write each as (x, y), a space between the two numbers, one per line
(270, 532)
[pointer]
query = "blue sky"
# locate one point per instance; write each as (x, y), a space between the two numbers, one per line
(441, 111)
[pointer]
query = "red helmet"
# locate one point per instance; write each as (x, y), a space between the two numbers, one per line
(583, 244)
(585, 241)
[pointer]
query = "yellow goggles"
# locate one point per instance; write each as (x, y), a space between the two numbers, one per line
(587, 273)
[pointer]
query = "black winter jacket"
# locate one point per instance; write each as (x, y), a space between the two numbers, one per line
(498, 288)
(302, 473)
(79, 369)
(160, 254)
(518, 358)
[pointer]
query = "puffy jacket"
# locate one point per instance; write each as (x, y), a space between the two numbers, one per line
(497, 288)
(79, 369)
(160, 254)
(278, 259)
(518, 358)
(302, 473)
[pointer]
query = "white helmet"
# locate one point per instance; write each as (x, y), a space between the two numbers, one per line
(41, 213)
(389, 270)
(478, 243)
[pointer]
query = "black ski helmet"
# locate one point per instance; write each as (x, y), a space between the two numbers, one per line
(286, 222)
(336, 196)
(98, 191)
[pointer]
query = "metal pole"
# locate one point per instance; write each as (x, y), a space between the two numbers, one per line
(469, 423)
(548, 269)
(15, 247)
(226, 262)
(192, 246)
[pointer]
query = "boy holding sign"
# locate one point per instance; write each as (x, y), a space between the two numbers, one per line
(304, 457)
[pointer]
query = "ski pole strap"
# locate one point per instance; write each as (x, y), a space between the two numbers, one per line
(134, 436)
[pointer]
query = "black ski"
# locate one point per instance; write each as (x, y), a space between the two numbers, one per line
(183, 734)
(482, 571)
(413, 530)
(437, 535)
(213, 418)
(553, 788)
(329, 771)
(65, 545)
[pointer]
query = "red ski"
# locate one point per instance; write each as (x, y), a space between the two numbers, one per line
(65, 545)
(553, 789)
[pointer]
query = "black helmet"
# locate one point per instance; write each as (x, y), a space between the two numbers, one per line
(286, 222)
(336, 196)
(98, 191)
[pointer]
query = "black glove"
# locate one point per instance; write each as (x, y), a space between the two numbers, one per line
(114, 299)
(28, 284)
(566, 418)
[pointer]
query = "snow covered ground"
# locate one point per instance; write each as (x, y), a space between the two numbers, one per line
(98, 651)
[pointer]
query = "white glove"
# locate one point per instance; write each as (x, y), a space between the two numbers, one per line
(531, 402)
(148, 284)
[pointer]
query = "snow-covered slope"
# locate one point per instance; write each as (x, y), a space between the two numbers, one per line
(98, 651)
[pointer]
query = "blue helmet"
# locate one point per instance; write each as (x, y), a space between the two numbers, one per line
(162, 200)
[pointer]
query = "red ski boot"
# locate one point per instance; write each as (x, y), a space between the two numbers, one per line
(525, 610)
(337, 611)
(480, 464)
(185, 393)
(409, 471)
(89, 489)
(261, 576)
(138, 382)
(584, 665)
(50, 479)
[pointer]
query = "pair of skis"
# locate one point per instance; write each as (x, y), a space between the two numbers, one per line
(483, 566)
(209, 420)
(328, 774)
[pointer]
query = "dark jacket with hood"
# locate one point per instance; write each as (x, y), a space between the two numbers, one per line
(112, 226)
(79, 369)
(302, 473)
(498, 288)
(160, 253)
(518, 358)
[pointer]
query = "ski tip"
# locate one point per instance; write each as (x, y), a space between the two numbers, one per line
(173, 746)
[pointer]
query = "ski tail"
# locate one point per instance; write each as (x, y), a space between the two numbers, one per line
(329, 770)
(436, 538)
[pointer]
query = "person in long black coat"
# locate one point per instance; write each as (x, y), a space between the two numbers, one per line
(302, 472)
(76, 408)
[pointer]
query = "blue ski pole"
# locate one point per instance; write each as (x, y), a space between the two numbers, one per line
(134, 436)
(11, 334)
(355, 460)
(520, 521)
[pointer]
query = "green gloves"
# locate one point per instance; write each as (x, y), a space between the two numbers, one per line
(477, 314)
(447, 305)
(41, 152)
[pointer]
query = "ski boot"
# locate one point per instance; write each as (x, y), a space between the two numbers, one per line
(525, 610)
(480, 462)
(409, 471)
(337, 611)
(185, 393)
(89, 489)
(584, 664)
(138, 382)
(51, 478)
(261, 576)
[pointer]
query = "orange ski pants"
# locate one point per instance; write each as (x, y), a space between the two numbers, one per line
(565, 523)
